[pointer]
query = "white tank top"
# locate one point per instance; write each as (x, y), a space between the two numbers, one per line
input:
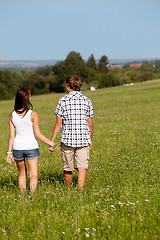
(25, 138)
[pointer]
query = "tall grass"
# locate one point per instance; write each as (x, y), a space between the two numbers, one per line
(121, 199)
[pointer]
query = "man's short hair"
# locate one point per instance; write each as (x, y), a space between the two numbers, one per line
(74, 83)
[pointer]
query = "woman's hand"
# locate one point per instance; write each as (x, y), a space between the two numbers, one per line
(52, 149)
(10, 159)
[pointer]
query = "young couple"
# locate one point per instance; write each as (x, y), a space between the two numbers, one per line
(74, 116)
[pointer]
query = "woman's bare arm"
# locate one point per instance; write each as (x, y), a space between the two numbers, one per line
(11, 139)
(38, 134)
(56, 129)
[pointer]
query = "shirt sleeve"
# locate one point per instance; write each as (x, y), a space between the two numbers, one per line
(90, 112)
(59, 110)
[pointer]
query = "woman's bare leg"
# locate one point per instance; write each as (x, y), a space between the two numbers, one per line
(33, 173)
(21, 165)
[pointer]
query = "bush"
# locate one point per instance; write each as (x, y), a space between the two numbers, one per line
(108, 80)
(55, 83)
(143, 76)
(36, 84)
(4, 93)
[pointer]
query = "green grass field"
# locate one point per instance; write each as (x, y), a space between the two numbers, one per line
(121, 199)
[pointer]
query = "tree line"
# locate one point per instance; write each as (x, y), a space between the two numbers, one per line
(98, 74)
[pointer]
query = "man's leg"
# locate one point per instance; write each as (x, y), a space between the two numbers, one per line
(67, 154)
(82, 175)
(82, 158)
(68, 178)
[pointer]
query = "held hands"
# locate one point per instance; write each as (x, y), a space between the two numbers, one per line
(52, 148)
(10, 159)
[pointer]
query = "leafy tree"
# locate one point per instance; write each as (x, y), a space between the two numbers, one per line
(156, 75)
(74, 65)
(1, 77)
(4, 93)
(36, 84)
(157, 66)
(143, 76)
(91, 62)
(9, 82)
(58, 69)
(59, 82)
(131, 74)
(55, 83)
(91, 75)
(44, 71)
(103, 64)
(108, 80)
(147, 67)
(18, 77)
(5, 86)
(27, 75)
(123, 78)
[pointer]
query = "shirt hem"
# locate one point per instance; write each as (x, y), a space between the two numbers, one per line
(69, 145)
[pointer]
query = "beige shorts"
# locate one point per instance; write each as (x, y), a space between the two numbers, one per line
(80, 154)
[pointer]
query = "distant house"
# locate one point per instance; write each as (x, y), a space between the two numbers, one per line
(113, 66)
(136, 65)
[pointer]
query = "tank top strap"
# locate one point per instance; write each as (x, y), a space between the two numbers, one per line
(13, 117)
(28, 115)
(16, 116)
(29, 112)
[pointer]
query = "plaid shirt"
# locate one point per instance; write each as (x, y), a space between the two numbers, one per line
(74, 109)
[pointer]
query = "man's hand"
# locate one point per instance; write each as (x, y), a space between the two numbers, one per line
(90, 146)
(90, 125)
(52, 149)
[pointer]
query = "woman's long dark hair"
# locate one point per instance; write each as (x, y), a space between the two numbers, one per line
(22, 100)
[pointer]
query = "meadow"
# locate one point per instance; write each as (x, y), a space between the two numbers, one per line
(121, 199)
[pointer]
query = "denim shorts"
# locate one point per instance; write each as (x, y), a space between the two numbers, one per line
(28, 154)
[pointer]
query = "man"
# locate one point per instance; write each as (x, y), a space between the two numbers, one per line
(74, 116)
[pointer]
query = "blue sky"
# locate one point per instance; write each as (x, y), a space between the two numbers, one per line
(50, 29)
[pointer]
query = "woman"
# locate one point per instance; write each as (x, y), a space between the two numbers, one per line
(25, 145)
